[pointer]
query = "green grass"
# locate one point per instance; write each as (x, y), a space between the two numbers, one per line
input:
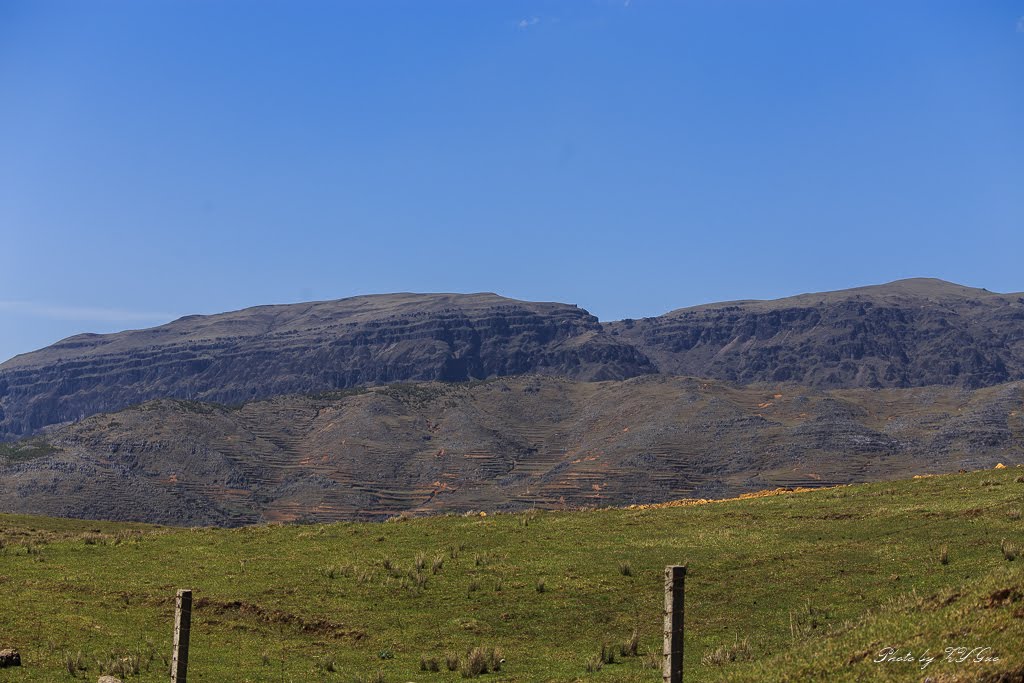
(792, 588)
(19, 451)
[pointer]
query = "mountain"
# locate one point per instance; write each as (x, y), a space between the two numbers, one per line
(304, 348)
(908, 333)
(503, 444)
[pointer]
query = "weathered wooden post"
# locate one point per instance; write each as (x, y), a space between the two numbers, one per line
(672, 669)
(182, 624)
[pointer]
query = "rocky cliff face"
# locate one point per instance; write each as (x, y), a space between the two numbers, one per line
(307, 348)
(905, 334)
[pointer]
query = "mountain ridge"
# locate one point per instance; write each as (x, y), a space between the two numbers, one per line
(913, 332)
(925, 287)
(302, 348)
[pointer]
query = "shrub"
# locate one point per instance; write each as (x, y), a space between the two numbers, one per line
(625, 568)
(944, 555)
(1009, 550)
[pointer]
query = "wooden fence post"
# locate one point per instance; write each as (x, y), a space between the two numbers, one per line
(672, 668)
(182, 624)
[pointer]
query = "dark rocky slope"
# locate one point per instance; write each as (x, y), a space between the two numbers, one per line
(908, 333)
(306, 348)
(905, 334)
(508, 443)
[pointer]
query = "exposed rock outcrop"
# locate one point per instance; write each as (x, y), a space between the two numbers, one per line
(904, 334)
(307, 348)
(9, 657)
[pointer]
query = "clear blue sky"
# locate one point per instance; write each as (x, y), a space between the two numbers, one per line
(165, 158)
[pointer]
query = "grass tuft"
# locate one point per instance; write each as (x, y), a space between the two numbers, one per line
(631, 647)
(739, 651)
(478, 661)
(475, 664)
(74, 662)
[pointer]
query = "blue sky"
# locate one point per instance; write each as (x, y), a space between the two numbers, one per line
(165, 158)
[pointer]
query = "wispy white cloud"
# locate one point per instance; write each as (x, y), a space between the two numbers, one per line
(1020, 25)
(84, 313)
(527, 23)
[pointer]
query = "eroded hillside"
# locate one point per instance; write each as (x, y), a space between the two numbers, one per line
(503, 444)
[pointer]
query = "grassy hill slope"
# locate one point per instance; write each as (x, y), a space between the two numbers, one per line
(793, 587)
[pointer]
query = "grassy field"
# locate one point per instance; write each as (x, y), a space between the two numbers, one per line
(794, 587)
